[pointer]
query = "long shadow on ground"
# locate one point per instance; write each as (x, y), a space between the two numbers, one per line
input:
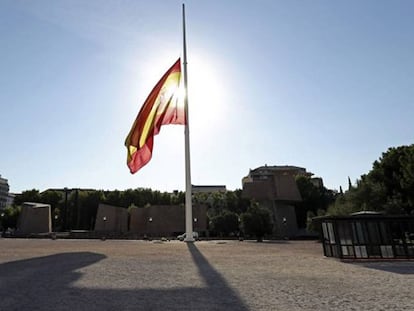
(46, 283)
(399, 267)
(217, 286)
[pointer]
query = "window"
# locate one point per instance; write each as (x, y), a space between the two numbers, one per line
(331, 233)
(358, 232)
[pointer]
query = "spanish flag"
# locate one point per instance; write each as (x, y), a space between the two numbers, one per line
(160, 108)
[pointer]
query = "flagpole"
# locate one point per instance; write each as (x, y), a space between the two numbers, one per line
(188, 186)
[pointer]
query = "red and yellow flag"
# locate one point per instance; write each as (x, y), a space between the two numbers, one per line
(160, 108)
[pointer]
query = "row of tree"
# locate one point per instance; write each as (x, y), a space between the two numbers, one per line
(228, 213)
(388, 187)
(77, 208)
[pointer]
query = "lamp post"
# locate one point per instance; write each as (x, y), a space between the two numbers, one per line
(239, 234)
(65, 220)
(2, 222)
(104, 228)
(195, 235)
(149, 228)
(54, 227)
(209, 228)
(55, 219)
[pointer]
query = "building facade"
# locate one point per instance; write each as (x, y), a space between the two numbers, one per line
(4, 192)
(10, 199)
(274, 187)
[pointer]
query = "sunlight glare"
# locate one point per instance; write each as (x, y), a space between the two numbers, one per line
(206, 96)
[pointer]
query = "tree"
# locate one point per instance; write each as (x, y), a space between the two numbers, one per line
(314, 199)
(256, 221)
(394, 174)
(27, 196)
(235, 202)
(225, 224)
(86, 206)
(55, 199)
(9, 217)
(177, 198)
(113, 197)
(349, 183)
(388, 187)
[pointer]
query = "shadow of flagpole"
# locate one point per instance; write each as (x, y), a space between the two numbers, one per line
(218, 289)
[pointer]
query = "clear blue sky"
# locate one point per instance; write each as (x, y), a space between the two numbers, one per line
(325, 85)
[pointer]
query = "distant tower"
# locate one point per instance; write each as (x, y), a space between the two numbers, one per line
(4, 192)
(349, 183)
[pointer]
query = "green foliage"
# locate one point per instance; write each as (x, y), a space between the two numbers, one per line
(310, 225)
(113, 198)
(142, 196)
(223, 209)
(218, 202)
(225, 224)
(27, 196)
(388, 187)
(85, 208)
(76, 208)
(314, 199)
(256, 221)
(9, 217)
(177, 198)
(51, 197)
(342, 207)
(131, 207)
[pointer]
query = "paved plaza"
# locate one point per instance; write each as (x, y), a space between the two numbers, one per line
(42, 274)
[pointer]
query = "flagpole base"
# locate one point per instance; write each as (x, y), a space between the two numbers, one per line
(189, 240)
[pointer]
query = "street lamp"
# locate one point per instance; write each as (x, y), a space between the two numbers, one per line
(55, 218)
(195, 224)
(284, 221)
(1, 221)
(150, 229)
(239, 233)
(104, 227)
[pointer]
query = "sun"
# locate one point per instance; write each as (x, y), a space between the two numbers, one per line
(206, 95)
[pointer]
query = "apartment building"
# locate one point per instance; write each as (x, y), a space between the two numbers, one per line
(4, 192)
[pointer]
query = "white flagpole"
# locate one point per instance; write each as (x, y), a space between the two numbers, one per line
(188, 186)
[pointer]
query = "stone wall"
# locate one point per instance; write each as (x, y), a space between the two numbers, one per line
(152, 221)
(34, 218)
(111, 219)
(165, 220)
